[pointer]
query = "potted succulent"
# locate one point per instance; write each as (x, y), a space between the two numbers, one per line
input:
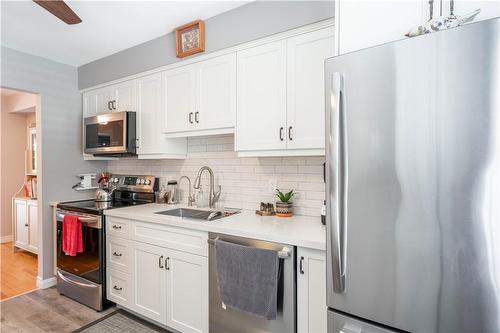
(284, 207)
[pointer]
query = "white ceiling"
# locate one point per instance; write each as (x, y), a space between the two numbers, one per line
(107, 27)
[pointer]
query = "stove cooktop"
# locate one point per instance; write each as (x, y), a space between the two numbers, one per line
(96, 207)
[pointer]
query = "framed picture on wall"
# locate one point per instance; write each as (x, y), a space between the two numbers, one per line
(190, 38)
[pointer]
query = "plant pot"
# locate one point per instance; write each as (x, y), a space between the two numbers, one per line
(284, 209)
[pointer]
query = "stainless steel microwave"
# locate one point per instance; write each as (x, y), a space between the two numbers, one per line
(110, 134)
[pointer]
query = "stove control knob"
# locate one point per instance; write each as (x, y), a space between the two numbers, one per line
(143, 181)
(148, 182)
(138, 181)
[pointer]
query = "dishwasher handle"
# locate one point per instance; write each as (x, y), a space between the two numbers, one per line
(284, 253)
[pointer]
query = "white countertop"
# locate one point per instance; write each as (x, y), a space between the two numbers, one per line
(297, 230)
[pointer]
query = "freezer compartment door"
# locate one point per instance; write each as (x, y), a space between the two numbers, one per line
(413, 179)
(339, 323)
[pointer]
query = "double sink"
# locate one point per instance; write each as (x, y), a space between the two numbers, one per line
(198, 214)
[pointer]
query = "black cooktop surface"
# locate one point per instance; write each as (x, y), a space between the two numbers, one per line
(96, 207)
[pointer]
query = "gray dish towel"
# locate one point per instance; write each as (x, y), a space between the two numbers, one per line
(248, 278)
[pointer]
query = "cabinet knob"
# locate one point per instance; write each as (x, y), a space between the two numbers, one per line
(301, 265)
(281, 133)
(160, 262)
(290, 133)
(117, 288)
(190, 117)
(167, 263)
(117, 227)
(117, 254)
(196, 119)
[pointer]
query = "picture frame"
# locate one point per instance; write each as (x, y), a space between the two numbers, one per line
(190, 39)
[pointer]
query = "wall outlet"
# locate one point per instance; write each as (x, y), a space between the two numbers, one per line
(272, 185)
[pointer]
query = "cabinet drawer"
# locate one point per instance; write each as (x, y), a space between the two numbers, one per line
(192, 241)
(116, 226)
(118, 287)
(118, 254)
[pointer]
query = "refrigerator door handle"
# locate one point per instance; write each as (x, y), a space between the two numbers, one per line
(337, 180)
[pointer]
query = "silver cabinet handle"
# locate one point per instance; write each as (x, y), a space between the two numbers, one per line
(190, 117)
(301, 265)
(167, 263)
(337, 176)
(290, 133)
(109, 105)
(160, 263)
(113, 104)
(117, 227)
(281, 133)
(117, 288)
(117, 254)
(196, 116)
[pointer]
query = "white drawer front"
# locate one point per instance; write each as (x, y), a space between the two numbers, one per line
(118, 254)
(116, 226)
(192, 241)
(118, 287)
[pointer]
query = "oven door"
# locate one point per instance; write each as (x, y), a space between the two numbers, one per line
(87, 264)
(111, 133)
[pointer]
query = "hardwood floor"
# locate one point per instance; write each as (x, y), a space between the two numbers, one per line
(44, 310)
(18, 271)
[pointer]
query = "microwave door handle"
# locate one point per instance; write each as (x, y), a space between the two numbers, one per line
(337, 182)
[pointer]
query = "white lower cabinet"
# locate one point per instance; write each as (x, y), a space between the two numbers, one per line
(165, 285)
(311, 291)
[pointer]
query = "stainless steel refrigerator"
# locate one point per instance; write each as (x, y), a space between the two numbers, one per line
(413, 184)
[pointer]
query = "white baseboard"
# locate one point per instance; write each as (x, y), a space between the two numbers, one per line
(47, 283)
(5, 239)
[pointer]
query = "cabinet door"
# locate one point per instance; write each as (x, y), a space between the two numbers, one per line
(33, 225)
(187, 292)
(311, 291)
(149, 90)
(261, 99)
(216, 90)
(148, 276)
(103, 98)
(306, 56)
(21, 216)
(125, 96)
(179, 99)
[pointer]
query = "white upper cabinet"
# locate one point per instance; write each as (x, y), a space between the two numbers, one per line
(261, 98)
(113, 98)
(306, 56)
(201, 97)
(280, 100)
(216, 98)
(363, 24)
(179, 85)
(151, 142)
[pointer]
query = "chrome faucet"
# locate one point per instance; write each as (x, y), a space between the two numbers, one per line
(190, 198)
(213, 197)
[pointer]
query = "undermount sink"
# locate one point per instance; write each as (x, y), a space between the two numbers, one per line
(198, 214)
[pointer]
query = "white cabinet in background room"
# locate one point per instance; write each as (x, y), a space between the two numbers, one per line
(201, 98)
(311, 291)
(280, 98)
(151, 142)
(25, 224)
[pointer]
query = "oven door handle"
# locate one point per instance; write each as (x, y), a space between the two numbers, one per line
(80, 284)
(86, 220)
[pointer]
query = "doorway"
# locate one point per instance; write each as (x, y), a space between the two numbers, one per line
(19, 172)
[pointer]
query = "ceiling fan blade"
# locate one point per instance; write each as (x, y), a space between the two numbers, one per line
(60, 9)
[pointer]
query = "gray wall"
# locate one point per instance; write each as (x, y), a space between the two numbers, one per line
(240, 25)
(59, 125)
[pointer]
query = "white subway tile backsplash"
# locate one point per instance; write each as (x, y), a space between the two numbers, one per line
(244, 181)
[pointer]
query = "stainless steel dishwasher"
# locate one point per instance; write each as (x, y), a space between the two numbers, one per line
(234, 321)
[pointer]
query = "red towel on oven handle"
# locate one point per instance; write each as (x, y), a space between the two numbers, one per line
(72, 241)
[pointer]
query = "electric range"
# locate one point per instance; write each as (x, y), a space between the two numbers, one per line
(83, 277)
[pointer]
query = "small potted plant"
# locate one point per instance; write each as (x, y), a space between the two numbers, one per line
(284, 207)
